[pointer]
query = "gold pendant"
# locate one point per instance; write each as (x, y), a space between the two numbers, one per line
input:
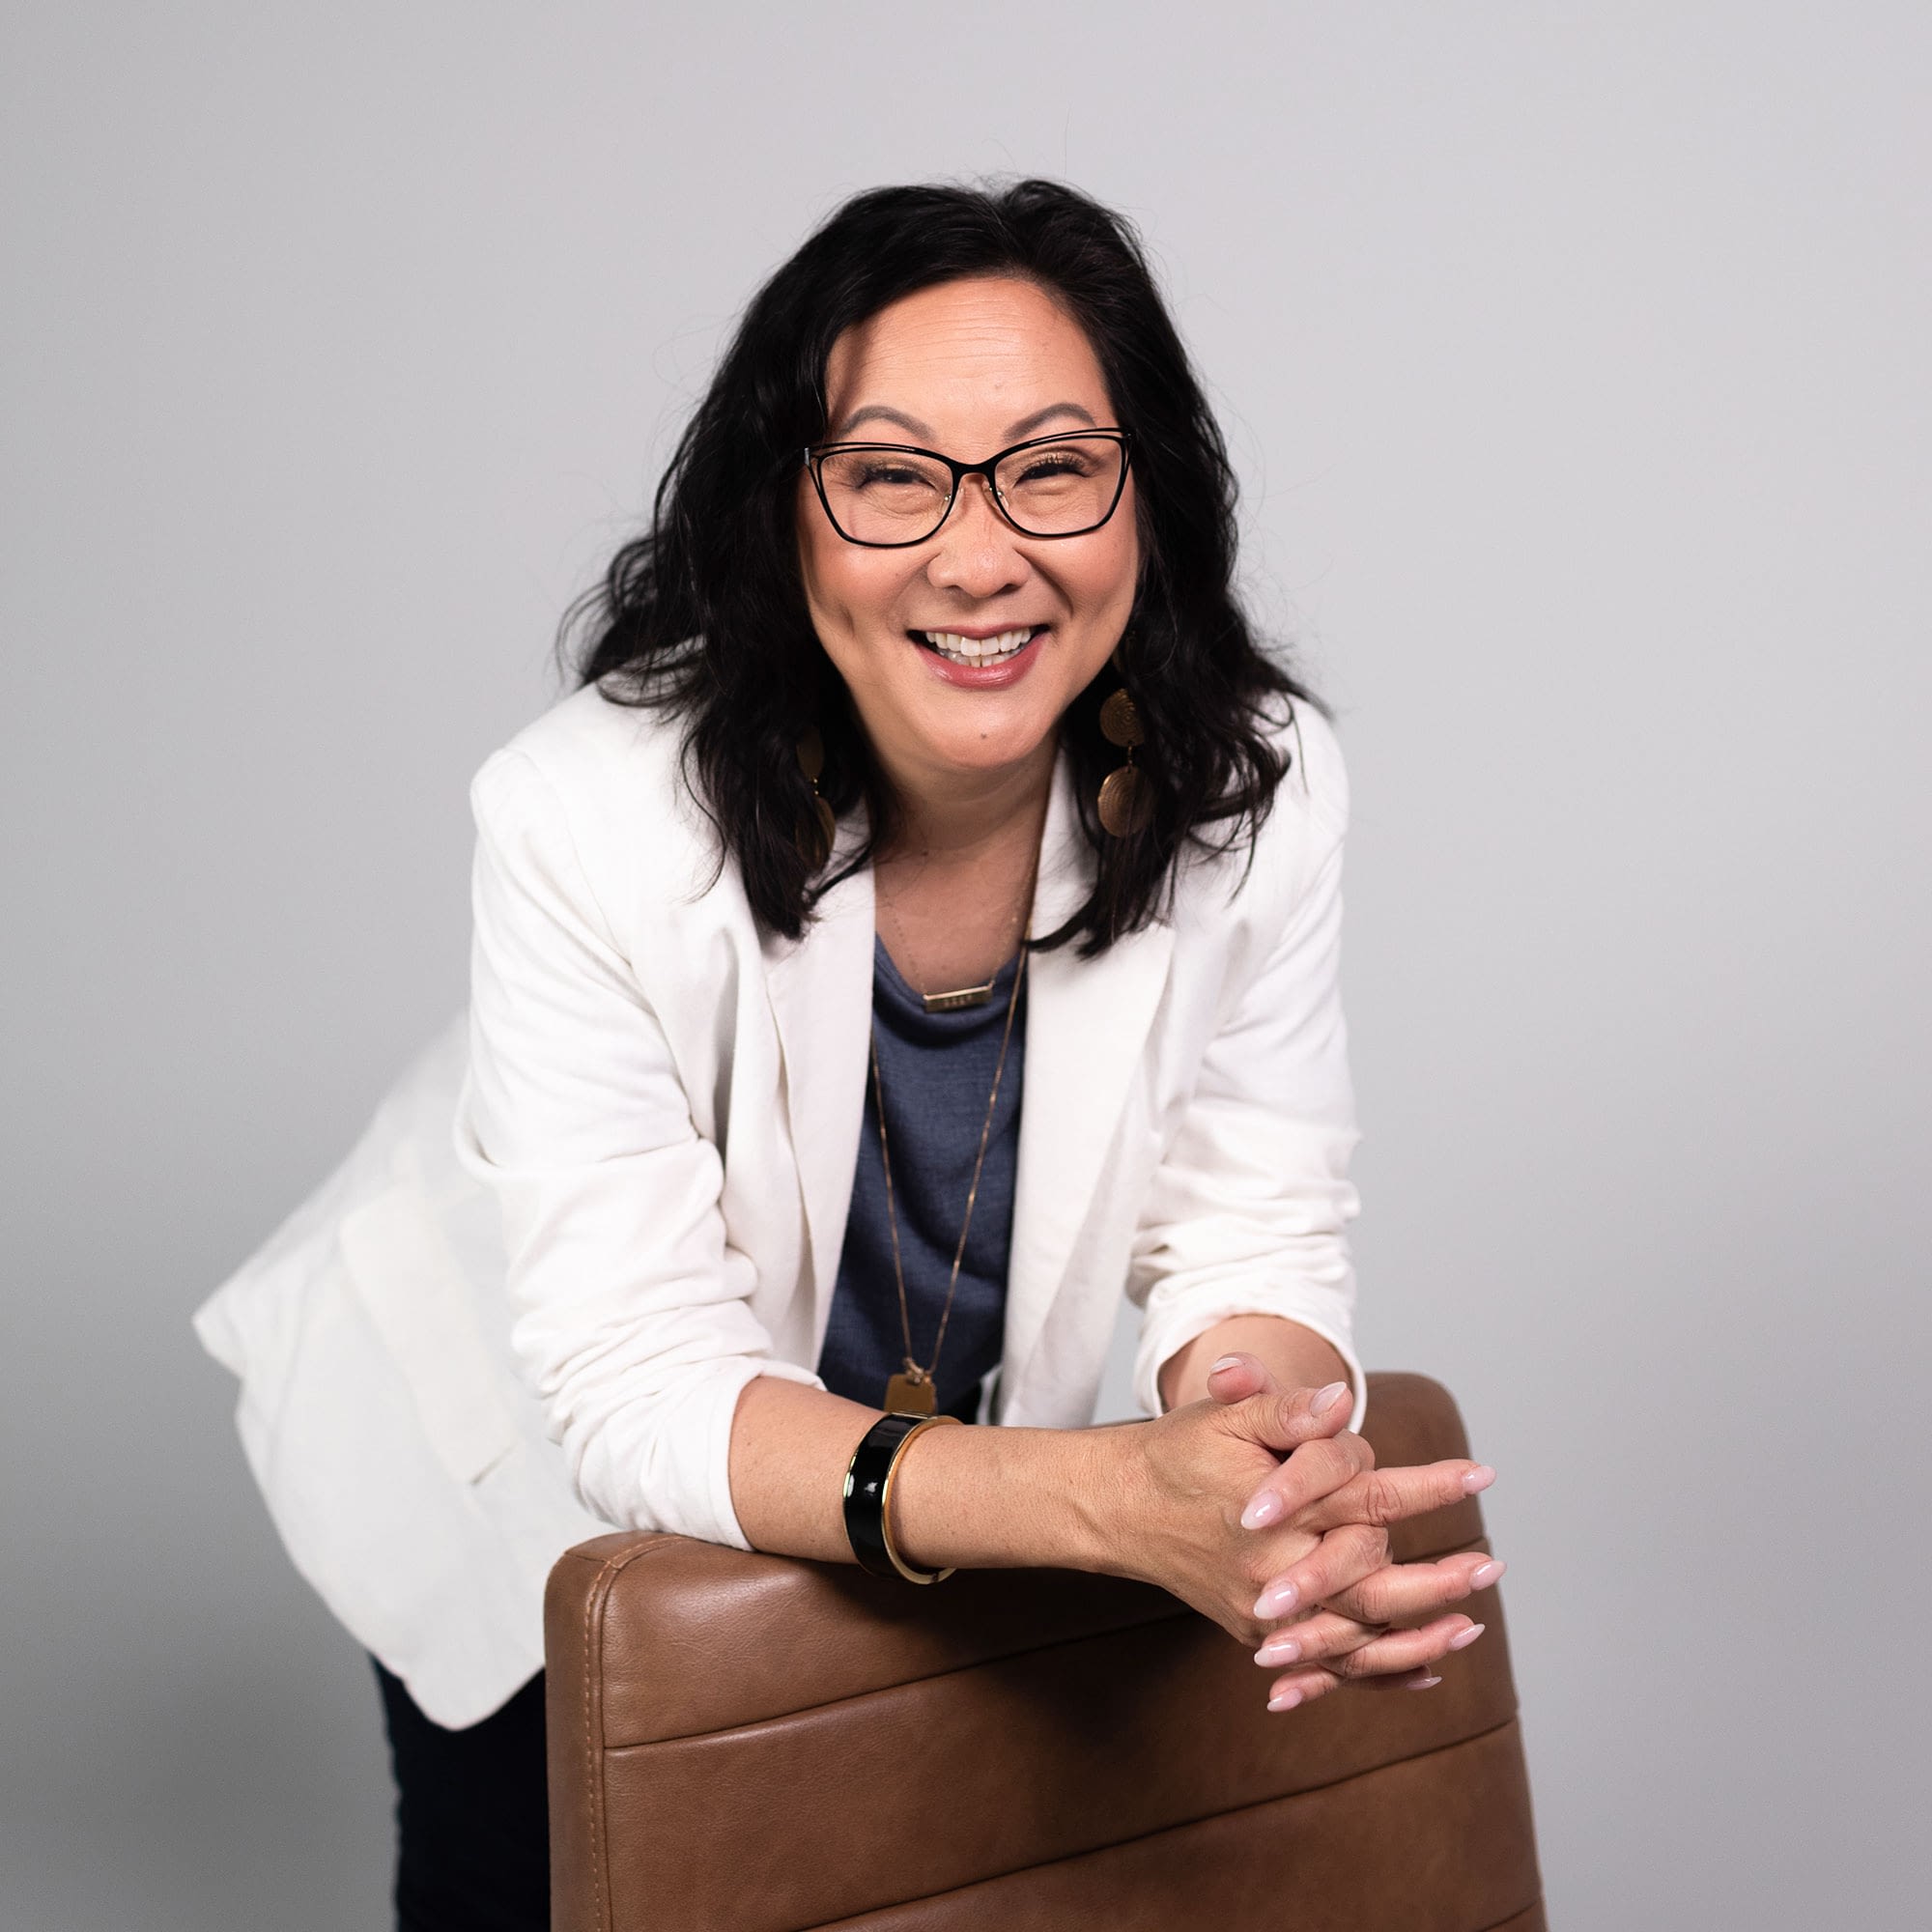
(960, 997)
(905, 1395)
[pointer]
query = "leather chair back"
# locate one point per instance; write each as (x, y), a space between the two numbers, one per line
(742, 1743)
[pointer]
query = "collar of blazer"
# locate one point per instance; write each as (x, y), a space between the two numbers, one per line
(1087, 1022)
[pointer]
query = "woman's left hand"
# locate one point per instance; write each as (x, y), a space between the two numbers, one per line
(1347, 1638)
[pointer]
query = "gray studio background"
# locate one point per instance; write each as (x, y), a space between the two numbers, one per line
(1574, 359)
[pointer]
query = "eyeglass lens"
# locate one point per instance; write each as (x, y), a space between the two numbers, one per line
(896, 496)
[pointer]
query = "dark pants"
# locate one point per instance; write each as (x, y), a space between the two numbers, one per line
(473, 1823)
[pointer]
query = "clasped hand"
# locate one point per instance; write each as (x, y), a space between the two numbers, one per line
(1272, 1518)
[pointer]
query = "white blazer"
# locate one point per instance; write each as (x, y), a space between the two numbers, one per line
(442, 1393)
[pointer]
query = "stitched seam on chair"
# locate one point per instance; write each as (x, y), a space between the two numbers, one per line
(1517, 1914)
(1179, 1611)
(1183, 1825)
(1175, 1615)
(594, 1753)
(594, 1601)
(593, 1766)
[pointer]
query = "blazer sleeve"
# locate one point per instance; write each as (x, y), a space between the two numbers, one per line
(1249, 1204)
(632, 1320)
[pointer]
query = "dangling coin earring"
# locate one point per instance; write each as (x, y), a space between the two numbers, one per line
(815, 834)
(1127, 803)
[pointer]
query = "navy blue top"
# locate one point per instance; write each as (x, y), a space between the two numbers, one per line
(937, 1071)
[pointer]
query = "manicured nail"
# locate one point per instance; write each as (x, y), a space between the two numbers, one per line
(1462, 1639)
(1478, 1480)
(1480, 1578)
(1424, 1683)
(1325, 1399)
(1277, 1600)
(1278, 1650)
(1264, 1506)
(1226, 1362)
(1285, 1700)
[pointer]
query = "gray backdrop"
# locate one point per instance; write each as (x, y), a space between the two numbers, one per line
(1575, 363)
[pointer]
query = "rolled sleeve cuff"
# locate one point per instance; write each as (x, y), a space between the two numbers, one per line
(1163, 1335)
(679, 1465)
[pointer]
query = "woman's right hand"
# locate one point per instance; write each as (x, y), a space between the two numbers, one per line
(1389, 1629)
(1187, 1478)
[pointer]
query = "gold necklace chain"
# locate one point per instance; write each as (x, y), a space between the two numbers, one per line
(960, 996)
(913, 1390)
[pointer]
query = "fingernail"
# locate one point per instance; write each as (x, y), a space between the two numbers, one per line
(1478, 1480)
(1480, 1578)
(1226, 1362)
(1462, 1639)
(1424, 1683)
(1278, 1650)
(1277, 1600)
(1285, 1700)
(1262, 1507)
(1325, 1399)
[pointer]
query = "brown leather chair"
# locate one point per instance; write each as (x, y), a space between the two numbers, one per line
(749, 1744)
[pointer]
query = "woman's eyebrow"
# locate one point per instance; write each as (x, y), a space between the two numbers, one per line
(1015, 432)
(880, 413)
(1026, 425)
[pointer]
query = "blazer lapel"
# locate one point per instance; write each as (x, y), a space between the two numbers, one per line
(821, 995)
(1087, 1023)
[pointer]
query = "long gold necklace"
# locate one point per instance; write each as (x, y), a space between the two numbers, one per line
(913, 1390)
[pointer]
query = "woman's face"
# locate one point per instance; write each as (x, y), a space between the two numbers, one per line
(966, 368)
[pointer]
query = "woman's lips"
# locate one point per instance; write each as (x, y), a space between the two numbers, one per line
(993, 676)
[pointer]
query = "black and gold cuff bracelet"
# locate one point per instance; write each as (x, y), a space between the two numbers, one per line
(868, 1496)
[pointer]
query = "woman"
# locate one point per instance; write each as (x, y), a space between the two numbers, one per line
(920, 926)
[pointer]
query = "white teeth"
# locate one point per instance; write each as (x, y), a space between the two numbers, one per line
(979, 650)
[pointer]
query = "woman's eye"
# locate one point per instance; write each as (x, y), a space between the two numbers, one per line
(889, 475)
(1046, 468)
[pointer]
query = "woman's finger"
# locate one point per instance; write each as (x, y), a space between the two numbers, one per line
(1403, 1592)
(1305, 1687)
(1286, 1420)
(1403, 1659)
(1406, 1650)
(1342, 1559)
(1379, 1496)
(1329, 1636)
(1236, 1377)
(1315, 1470)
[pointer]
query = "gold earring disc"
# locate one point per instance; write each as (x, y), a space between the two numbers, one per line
(1126, 805)
(1121, 723)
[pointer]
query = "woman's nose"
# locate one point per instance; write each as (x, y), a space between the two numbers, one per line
(976, 549)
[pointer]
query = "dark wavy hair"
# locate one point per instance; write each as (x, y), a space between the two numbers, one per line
(705, 615)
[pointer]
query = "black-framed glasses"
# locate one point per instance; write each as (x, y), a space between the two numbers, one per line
(887, 496)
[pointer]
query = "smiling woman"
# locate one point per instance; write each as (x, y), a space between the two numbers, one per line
(912, 547)
(900, 950)
(961, 630)
(896, 361)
